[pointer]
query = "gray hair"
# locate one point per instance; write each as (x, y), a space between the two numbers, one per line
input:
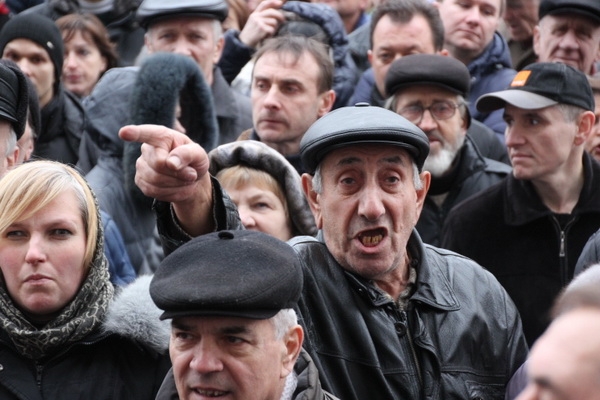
(283, 321)
(317, 179)
(11, 142)
(570, 112)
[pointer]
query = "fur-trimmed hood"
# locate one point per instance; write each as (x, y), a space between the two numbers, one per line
(254, 154)
(134, 315)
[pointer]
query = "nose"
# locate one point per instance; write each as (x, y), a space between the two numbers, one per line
(370, 204)
(36, 252)
(70, 60)
(272, 99)
(569, 40)
(181, 46)
(206, 358)
(24, 66)
(246, 217)
(474, 15)
(529, 393)
(513, 137)
(428, 123)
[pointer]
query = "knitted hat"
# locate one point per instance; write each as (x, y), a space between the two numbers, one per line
(40, 30)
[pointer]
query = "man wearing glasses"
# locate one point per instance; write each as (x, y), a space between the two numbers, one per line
(430, 91)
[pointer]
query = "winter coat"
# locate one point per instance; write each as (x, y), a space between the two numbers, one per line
(125, 360)
(460, 337)
(474, 174)
(490, 72)
(120, 22)
(590, 253)
(62, 121)
(510, 232)
(236, 54)
(308, 388)
(233, 109)
(119, 266)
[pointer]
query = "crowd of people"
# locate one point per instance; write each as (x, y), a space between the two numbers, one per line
(349, 199)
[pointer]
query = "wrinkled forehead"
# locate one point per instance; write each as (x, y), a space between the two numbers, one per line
(367, 154)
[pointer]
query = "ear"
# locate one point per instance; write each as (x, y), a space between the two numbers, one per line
(584, 127)
(370, 56)
(422, 193)
(218, 49)
(293, 344)
(536, 39)
(313, 199)
(11, 159)
(148, 42)
(326, 100)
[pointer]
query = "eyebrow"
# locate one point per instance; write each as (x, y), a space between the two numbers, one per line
(386, 160)
(227, 330)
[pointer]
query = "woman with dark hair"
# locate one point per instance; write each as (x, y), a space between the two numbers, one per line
(88, 52)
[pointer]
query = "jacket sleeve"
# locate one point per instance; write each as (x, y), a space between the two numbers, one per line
(171, 234)
(589, 254)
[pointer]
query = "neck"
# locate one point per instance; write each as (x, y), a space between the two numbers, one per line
(462, 55)
(395, 281)
(561, 194)
(350, 22)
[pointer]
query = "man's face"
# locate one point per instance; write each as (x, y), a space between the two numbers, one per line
(232, 358)
(286, 99)
(569, 39)
(521, 17)
(592, 144)
(393, 40)
(541, 143)
(447, 136)
(564, 363)
(469, 24)
(367, 208)
(35, 62)
(190, 36)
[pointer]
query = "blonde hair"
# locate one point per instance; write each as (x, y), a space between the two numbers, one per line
(31, 186)
(240, 175)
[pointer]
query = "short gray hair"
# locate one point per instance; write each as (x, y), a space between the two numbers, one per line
(11, 142)
(283, 321)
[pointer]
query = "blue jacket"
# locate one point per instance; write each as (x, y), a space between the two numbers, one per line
(490, 72)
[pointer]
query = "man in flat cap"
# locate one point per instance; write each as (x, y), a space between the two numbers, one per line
(430, 91)
(386, 317)
(234, 332)
(529, 229)
(569, 32)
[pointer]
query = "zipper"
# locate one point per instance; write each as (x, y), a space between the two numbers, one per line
(402, 329)
(562, 251)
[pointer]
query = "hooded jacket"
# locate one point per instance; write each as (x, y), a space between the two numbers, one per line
(236, 54)
(120, 23)
(460, 338)
(490, 72)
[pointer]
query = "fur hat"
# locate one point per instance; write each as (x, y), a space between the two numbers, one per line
(257, 155)
(40, 30)
(164, 80)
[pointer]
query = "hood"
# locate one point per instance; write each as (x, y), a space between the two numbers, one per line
(134, 315)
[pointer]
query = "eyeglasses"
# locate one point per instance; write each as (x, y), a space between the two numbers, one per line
(439, 110)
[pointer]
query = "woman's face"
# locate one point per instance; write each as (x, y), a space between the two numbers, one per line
(261, 210)
(41, 257)
(83, 65)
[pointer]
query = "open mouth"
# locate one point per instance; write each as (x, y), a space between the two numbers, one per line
(371, 238)
(210, 393)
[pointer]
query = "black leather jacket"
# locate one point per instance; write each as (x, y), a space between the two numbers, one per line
(460, 338)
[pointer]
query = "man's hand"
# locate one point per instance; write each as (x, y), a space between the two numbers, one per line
(173, 168)
(262, 23)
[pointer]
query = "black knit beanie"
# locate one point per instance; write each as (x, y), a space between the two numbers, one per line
(40, 30)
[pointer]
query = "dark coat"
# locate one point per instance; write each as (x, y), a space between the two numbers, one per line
(464, 342)
(125, 359)
(62, 121)
(509, 231)
(475, 173)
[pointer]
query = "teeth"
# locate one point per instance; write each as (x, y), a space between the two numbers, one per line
(210, 393)
(371, 240)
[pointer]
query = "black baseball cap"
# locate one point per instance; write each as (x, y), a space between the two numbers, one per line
(541, 85)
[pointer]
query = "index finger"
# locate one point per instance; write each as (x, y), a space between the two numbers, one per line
(154, 135)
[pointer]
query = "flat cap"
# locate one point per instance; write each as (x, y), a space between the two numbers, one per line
(361, 124)
(586, 8)
(151, 11)
(14, 96)
(245, 274)
(428, 69)
(541, 85)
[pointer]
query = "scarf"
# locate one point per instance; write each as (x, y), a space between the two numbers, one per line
(79, 318)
